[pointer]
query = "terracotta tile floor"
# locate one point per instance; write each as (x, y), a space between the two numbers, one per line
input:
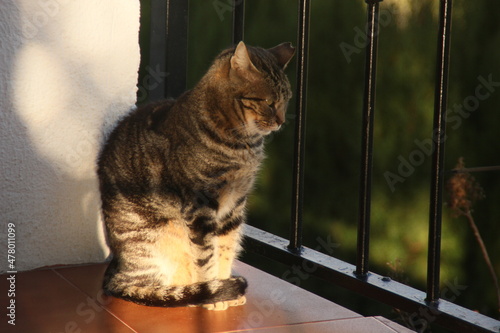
(70, 300)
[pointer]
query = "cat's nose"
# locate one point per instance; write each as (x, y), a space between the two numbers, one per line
(280, 118)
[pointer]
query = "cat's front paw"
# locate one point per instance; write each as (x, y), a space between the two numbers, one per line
(237, 302)
(220, 306)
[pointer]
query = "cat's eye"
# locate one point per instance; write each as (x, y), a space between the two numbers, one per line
(268, 101)
(255, 99)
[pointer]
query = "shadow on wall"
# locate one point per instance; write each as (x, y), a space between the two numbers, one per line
(62, 81)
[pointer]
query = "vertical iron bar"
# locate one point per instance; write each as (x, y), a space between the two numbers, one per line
(158, 49)
(238, 20)
(439, 136)
(300, 126)
(177, 44)
(367, 138)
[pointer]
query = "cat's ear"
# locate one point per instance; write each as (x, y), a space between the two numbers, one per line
(240, 61)
(283, 53)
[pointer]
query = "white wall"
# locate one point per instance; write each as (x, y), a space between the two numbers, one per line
(68, 71)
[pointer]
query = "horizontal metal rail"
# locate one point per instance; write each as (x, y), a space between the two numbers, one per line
(380, 288)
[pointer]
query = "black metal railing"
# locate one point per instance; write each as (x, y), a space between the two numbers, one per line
(300, 127)
(437, 169)
(169, 25)
(367, 140)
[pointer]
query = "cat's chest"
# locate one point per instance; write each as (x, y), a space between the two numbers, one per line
(237, 186)
(227, 202)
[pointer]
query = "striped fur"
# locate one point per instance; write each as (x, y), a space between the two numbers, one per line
(174, 178)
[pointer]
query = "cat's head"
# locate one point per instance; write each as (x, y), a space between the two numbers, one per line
(259, 87)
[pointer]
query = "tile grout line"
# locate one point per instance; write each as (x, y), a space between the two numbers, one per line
(385, 324)
(295, 324)
(99, 304)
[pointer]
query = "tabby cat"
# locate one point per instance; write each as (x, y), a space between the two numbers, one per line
(174, 179)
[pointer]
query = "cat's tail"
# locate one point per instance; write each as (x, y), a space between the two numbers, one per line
(197, 294)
